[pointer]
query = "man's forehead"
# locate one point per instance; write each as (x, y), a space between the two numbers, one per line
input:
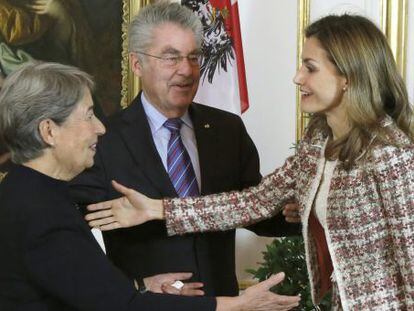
(168, 49)
(171, 34)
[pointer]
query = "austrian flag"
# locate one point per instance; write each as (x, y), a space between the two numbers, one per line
(223, 78)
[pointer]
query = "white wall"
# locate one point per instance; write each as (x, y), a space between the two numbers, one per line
(269, 43)
(370, 8)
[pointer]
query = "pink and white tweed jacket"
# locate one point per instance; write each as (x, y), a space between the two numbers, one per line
(370, 218)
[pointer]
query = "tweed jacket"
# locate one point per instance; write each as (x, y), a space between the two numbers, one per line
(370, 217)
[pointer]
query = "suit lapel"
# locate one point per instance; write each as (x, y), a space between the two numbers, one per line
(208, 154)
(136, 133)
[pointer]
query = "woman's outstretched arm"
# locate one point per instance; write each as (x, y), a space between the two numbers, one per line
(195, 214)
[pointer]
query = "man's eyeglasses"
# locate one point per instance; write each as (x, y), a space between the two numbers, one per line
(174, 60)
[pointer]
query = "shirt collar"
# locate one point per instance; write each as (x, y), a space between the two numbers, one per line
(157, 119)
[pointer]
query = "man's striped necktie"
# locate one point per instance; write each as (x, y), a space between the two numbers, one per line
(179, 165)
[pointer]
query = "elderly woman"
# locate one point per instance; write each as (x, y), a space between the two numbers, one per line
(49, 258)
(353, 174)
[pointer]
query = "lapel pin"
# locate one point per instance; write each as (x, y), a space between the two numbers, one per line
(206, 126)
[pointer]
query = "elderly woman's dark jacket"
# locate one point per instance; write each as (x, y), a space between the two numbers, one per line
(49, 259)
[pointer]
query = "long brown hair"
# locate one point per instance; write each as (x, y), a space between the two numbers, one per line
(360, 52)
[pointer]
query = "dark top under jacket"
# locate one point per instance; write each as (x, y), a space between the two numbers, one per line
(49, 259)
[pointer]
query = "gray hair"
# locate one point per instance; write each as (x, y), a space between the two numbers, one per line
(33, 93)
(143, 24)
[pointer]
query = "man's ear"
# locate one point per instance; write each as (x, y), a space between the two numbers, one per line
(136, 65)
(48, 131)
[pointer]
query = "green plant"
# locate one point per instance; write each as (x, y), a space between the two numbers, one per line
(288, 255)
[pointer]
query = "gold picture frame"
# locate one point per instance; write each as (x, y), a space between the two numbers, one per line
(303, 22)
(394, 24)
(130, 83)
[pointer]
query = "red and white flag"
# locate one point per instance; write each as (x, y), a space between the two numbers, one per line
(223, 78)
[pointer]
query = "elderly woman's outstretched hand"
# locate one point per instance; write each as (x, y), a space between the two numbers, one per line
(260, 298)
(130, 210)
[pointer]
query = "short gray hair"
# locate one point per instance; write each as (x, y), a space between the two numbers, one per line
(143, 24)
(33, 93)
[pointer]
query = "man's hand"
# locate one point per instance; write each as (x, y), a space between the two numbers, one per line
(291, 212)
(131, 210)
(163, 283)
(259, 297)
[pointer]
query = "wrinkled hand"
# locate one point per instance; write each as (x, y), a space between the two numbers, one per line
(131, 210)
(291, 212)
(162, 283)
(259, 296)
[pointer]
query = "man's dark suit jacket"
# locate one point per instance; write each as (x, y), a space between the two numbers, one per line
(49, 259)
(228, 161)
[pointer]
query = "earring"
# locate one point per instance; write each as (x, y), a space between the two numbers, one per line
(344, 88)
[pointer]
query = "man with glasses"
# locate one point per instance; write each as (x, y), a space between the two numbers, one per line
(164, 145)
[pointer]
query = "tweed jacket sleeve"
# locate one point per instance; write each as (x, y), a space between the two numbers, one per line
(219, 212)
(394, 170)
